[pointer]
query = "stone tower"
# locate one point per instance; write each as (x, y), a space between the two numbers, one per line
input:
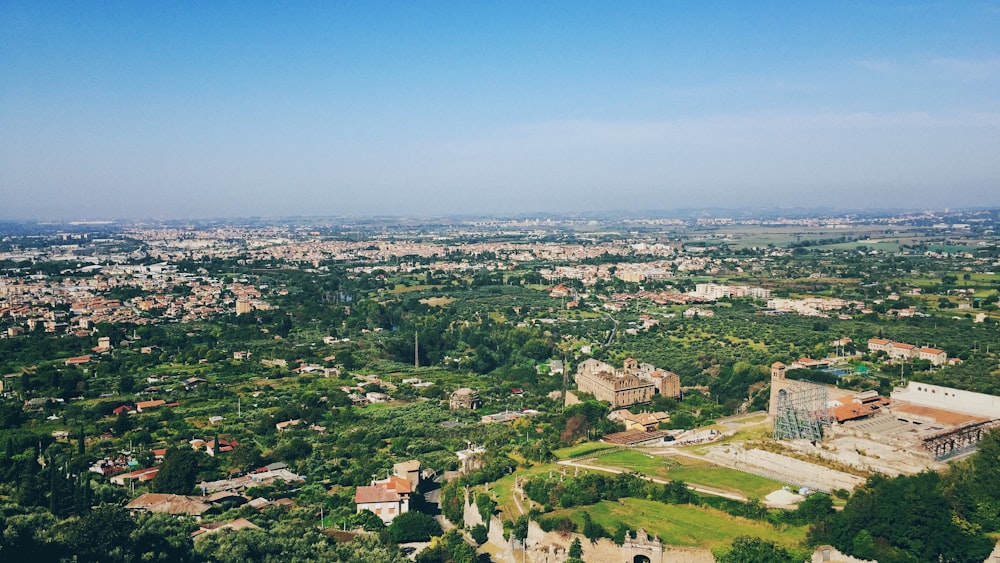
(777, 383)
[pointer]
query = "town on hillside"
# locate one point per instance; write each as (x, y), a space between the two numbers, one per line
(487, 389)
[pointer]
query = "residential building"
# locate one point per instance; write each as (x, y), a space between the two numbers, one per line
(904, 351)
(933, 355)
(409, 470)
(878, 344)
(645, 421)
(169, 504)
(387, 498)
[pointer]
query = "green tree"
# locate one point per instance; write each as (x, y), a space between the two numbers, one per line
(122, 424)
(102, 535)
(486, 506)
(163, 537)
(414, 526)
(520, 528)
(453, 501)
(974, 484)
(27, 535)
(592, 530)
(126, 384)
(926, 530)
(370, 521)
(246, 456)
(575, 549)
(177, 472)
(479, 533)
(745, 549)
(620, 533)
(815, 507)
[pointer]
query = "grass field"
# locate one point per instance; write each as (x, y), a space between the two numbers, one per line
(502, 490)
(581, 450)
(884, 246)
(680, 469)
(684, 525)
(400, 288)
(437, 301)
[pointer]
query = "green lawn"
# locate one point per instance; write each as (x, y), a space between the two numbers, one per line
(647, 464)
(400, 288)
(502, 489)
(684, 525)
(728, 479)
(887, 246)
(581, 450)
(709, 476)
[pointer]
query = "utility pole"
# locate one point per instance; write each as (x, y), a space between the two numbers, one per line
(416, 349)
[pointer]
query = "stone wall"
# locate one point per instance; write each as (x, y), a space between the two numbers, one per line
(830, 554)
(553, 547)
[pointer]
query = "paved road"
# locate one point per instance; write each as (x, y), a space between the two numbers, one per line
(611, 337)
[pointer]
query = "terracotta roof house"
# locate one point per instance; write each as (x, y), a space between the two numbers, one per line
(225, 497)
(645, 421)
(878, 344)
(169, 504)
(387, 499)
(935, 356)
(146, 405)
(282, 426)
(212, 527)
(142, 476)
(853, 411)
(409, 470)
(635, 437)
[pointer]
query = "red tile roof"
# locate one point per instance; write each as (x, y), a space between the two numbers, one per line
(366, 495)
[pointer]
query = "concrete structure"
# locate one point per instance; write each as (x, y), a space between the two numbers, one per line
(465, 398)
(553, 547)
(713, 292)
(409, 470)
(471, 459)
(946, 398)
(830, 554)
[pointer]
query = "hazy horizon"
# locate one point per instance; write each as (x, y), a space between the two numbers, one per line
(123, 110)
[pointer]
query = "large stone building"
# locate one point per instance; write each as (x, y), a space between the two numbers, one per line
(465, 398)
(634, 384)
(667, 382)
(904, 351)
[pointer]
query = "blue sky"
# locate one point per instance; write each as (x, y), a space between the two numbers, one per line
(209, 109)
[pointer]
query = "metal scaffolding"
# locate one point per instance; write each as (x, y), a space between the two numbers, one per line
(957, 441)
(802, 413)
